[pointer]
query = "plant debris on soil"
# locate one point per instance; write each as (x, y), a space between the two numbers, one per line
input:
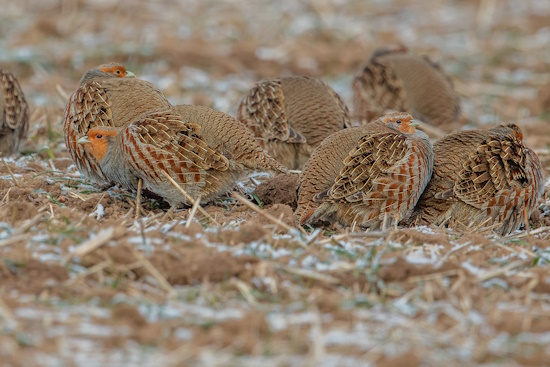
(83, 283)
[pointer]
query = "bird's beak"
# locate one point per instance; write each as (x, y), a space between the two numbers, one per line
(414, 123)
(83, 140)
(129, 74)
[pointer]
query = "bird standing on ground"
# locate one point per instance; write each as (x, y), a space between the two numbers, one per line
(395, 80)
(291, 116)
(371, 175)
(203, 150)
(14, 114)
(481, 178)
(108, 96)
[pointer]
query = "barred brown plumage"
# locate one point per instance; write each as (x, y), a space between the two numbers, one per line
(109, 96)
(369, 175)
(483, 178)
(395, 80)
(291, 116)
(203, 150)
(14, 114)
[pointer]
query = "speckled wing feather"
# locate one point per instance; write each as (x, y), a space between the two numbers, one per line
(501, 176)
(496, 164)
(378, 89)
(368, 168)
(15, 104)
(88, 107)
(14, 113)
(263, 111)
(161, 140)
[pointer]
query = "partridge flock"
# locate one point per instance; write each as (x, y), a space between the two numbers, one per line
(374, 172)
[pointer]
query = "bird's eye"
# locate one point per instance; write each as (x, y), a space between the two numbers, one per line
(398, 121)
(99, 136)
(118, 71)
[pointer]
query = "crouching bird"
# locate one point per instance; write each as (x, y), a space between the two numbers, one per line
(108, 96)
(370, 175)
(202, 150)
(482, 178)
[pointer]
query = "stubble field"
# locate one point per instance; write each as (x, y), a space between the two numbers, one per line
(83, 283)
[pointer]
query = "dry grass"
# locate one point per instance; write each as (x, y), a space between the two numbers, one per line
(84, 283)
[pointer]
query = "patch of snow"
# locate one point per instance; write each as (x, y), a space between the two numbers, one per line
(99, 212)
(472, 268)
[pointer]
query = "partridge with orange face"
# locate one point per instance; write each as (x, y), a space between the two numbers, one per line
(396, 80)
(291, 116)
(203, 150)
(370, 175)
(14, 114)
(485, 178)
(108, 96)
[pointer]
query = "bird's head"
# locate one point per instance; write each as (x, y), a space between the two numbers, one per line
(400, 121)
(110, 70)
(517, 131)
(97, 141)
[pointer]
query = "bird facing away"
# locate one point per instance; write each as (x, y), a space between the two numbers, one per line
(108, 96)
(371, 175)
(482, 178)
(203, 150)
(396, 80)
(14, 114)
(291, 116)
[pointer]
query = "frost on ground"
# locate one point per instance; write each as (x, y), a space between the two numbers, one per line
(82, 282)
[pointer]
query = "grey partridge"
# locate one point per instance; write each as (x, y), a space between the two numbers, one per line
(393, 79)
(484, 178)
(14, 114)
(291, 116)
(108, 96)
(203, 150)
(370, 175)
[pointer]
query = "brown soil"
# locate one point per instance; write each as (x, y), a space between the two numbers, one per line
(281, 189)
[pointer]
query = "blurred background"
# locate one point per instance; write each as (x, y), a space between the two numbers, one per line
(211, 52)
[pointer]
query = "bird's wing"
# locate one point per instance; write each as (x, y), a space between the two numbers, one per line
(497, 164)
(88, 107)
(263, 111)
(162, 140)
(15, 104)
(370, 169)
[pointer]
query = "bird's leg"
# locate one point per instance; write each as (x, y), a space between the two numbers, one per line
(138, 199)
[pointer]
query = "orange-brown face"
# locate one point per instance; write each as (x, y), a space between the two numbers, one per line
(400, 121)
(517, 131)
(97, 142)
(116, 70)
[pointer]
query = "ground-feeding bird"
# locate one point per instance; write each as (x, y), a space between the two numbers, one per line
(481, 178)
(203, 151)
(108, 96)
(395, 80)
(291, 116)
(14, 115)
(371, 175)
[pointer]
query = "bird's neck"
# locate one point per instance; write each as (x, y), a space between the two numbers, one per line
(113, 157)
